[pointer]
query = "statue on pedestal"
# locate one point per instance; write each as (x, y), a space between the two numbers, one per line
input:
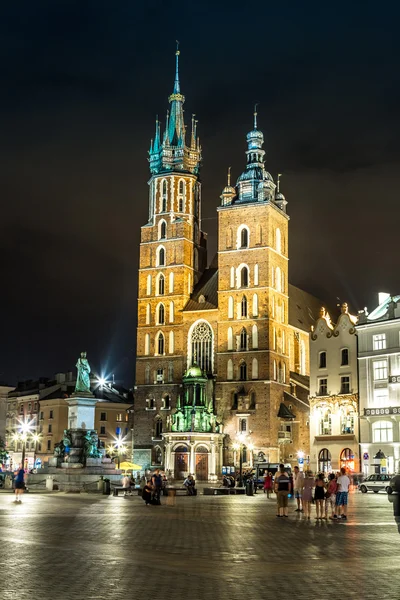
(82, 385)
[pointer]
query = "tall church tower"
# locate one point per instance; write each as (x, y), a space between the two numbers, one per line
(253, 330)
(173, 256)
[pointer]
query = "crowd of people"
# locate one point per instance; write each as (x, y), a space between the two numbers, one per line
(330, 495)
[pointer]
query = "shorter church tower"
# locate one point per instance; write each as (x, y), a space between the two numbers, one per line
(253, 329)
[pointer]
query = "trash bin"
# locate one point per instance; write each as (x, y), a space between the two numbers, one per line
(49, 483)
(100, 484)
(106, 487)
(249, 487)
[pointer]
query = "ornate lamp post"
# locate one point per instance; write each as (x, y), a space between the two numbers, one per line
(118, 448)
(25, 429)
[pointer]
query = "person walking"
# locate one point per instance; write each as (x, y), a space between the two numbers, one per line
(309, 484)
(298, 484)
(343, 482)
(157, 481)
(19, 483)
(330, 496)
(283, 489)
(126, 484)
(319, 495)
(268, 484)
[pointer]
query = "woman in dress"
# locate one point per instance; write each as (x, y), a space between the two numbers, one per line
(309, 484)
(320, 489)
(268, 484)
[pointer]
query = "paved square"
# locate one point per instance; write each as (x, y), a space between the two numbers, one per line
(86, 546)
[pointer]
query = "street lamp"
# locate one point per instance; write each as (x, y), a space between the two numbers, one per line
(25, 428)
(117, 448)
(239, 445)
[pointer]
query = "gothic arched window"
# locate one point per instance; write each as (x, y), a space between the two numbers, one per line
(147, 344)
(244, 277)
(161, 257)
(243, 371)
(161, 314)
(254, 369)
(201, 346)
(244, 307)
(160, 344)
(230, 338)
(161, 285)
(278, 240)
(158, 428)
(244, 238)
(230, 307)
(163, 230)
(164, 197)
(243, 339)
(229, 370)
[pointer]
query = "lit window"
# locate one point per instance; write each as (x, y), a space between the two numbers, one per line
(380, 370)
(326, 422)
(347, 422)
(381, 397)
(379, 341)
(382, 431)
(322, 360)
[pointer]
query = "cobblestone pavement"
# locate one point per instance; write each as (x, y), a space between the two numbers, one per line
(65, 546)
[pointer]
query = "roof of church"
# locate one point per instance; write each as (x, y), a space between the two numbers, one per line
(303, 308)
(205, 293)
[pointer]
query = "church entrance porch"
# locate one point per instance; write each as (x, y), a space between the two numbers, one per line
(199, 454)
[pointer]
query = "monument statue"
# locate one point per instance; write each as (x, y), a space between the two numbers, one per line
(66, 441)
(90, 448)
(83, 376)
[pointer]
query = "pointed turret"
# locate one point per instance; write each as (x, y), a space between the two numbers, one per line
(280, 199)
(229, 192)
(173, 154)
(176, 128)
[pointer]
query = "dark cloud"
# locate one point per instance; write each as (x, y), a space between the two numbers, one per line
(81, 85)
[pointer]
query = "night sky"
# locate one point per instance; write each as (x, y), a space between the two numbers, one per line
(81, 84)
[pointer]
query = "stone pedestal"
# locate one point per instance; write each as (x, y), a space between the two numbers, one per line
(81, 411)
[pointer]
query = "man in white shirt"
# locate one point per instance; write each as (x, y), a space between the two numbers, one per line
(298, 485)
(342, 495)
(126, 484)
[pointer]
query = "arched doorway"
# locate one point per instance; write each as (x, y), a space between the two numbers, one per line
(324, 461)
(181, 466)
(201, 463)
(347, 459)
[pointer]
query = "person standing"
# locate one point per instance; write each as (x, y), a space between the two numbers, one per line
(319, 495)
(268, 484)
(19, 483)
(126, 484)
(343, 483)
(157, 481)
(309, 484)
(298, 485)
(283, 489)
(330, 496)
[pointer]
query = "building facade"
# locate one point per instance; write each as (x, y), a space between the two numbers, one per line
(334, 411)
(42, 407)
(379, 380)
(232, 321)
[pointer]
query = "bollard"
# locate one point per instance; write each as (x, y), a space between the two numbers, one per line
(49, 483)
(100, 484)
(106, 487)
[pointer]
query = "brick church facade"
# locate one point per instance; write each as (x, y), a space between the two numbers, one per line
(222, 351)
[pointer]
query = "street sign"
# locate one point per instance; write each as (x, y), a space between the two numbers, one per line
(365, 456)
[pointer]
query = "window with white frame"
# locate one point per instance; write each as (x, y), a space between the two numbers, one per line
(323, 387)
(322, 360)
(243, 237)
(380, 370)
(379, 341)
(160, 314)
(201, 346)
(344, 357)
(345, 384)
(243, 339)
(244, 277)
(161, 256)
(381, 397)
(382, 431)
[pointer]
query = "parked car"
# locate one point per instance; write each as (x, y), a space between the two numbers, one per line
(376, 483)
